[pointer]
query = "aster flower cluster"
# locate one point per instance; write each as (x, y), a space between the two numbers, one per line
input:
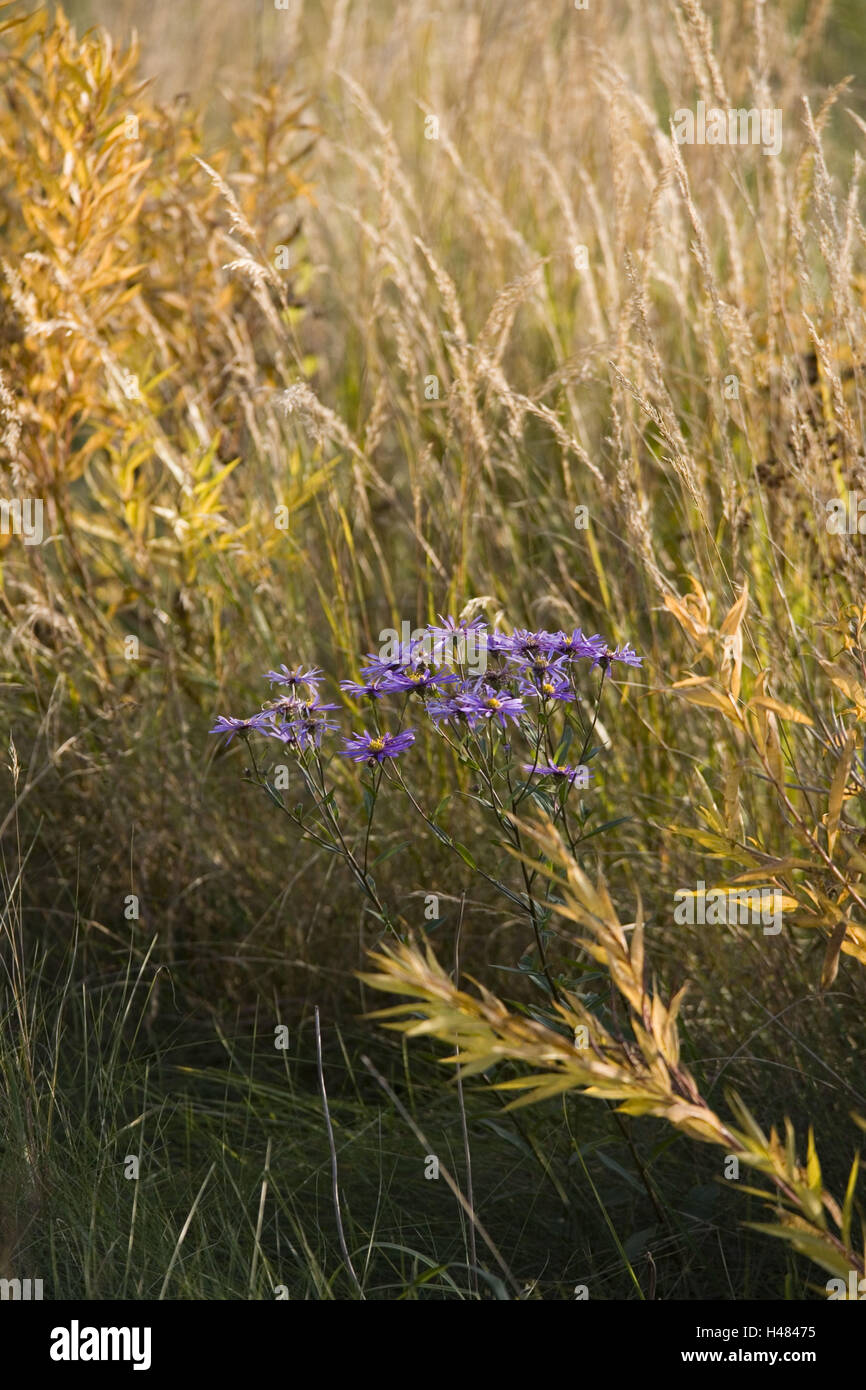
(508, 705)
(519, 678)
(486, 678)
(297, 716)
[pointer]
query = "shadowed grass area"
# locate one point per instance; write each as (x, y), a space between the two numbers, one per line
(233, 1196)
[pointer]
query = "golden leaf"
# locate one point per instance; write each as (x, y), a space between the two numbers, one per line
(837, 789)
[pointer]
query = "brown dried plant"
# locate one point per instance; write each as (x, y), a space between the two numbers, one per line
(637, 1064)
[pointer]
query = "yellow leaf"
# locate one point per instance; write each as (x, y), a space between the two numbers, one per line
(692, 613)
(813, 1167)
(837, 789)
(779, 707)
(699, 690)
(831, 958)
(774, 752)
(848, 685)
(733, 773)
(734, 617)
(848, 1204)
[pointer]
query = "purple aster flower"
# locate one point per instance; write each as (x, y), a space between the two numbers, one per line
(486, 703)
(226, 724)
(291, 707)
(372, 689)
(563, 773)
(626, 654)
(284, 707)
(278, 731)
(375, 748)
(379, 666)
(307, 732)
(523, 643)
(549, 686)
(461, 644)
(575, 644)
(295, 676)
(444, 711)
(540, 665)
(418, 678)
(448, 627)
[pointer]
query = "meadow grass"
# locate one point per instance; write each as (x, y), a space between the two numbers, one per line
(234, 1198)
